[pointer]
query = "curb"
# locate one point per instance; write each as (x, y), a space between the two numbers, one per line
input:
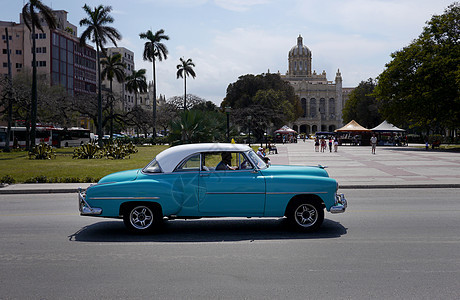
(401, 186)
(38, 191)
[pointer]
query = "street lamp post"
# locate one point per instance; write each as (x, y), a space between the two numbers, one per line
(249, 127)
(228, 109)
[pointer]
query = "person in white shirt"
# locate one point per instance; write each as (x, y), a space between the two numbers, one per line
(373, 143)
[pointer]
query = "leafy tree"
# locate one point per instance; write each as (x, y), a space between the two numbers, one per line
(98, 31)
(87, 105)
(362, 106)
(113, 68)
(195, 126)
(153, 49)
(256, 93)
(420, 86)
(192, 102)
(184, 69)
(139, 118)
(166, 113)
(33, 13)
(54, 102)
(54, 105)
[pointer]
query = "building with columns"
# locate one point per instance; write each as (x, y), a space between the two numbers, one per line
(322, 100)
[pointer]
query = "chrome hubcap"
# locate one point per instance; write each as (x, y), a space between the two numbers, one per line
(141, 217)
(306, 215)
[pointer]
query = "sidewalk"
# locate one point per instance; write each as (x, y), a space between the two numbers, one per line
(390, 167)
(354, 167)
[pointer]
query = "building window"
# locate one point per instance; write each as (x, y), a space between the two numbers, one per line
(304, 107)
(322, 106)
(312, 107)
(5, 65)
(19, 52)
(332, 107)
(18, 66)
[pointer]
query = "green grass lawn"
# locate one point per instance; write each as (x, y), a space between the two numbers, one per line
(21, 168)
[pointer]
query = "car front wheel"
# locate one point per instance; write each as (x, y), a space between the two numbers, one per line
(141, 218)
(306, 215)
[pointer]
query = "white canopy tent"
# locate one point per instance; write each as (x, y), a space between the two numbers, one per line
(387, 127)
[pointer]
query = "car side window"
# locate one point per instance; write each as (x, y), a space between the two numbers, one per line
(225, 161)
(193, 163)
(153, 167)
(210, 161)
(244, 163)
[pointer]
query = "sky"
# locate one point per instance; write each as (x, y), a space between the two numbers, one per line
(230, 38)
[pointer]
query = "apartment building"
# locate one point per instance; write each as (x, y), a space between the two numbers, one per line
(60, 58)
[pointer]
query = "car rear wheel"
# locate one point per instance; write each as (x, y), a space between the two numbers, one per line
(306, 215)
(141, 218)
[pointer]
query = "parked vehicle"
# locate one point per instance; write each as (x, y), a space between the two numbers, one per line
(213, 180)
(56, 137)
(19, 136)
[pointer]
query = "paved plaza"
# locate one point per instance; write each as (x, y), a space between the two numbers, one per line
(352, 166)
(356, 166)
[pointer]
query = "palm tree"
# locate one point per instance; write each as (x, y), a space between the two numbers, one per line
(154, 48)
(32, 13)
(136, 83)
(98, 32)
(184, 69)
(113, 68)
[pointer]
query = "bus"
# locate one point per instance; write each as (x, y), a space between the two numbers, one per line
(71, 137)
(56, 137)
(18, 136)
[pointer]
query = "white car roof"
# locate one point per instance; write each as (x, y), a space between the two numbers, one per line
(171, 157)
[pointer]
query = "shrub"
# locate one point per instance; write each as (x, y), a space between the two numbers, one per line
(42, 151)
(87, 151)
(7, 179)
(115, 150)
(37, 179)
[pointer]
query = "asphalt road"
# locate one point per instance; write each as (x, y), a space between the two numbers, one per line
(390, 244)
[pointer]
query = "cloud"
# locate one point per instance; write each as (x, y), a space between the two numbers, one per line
(239, 5)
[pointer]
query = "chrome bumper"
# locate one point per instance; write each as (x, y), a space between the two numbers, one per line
(84, 207)
(340, 204)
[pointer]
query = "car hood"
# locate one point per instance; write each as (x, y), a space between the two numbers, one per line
(120, 176)
(295, 170)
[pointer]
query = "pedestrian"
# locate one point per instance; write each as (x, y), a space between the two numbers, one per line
(323, 144)
(336, 145)
(330, 144)
(373, 143)
(316, 144)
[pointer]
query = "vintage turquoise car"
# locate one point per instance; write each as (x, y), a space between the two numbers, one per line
(213, 180)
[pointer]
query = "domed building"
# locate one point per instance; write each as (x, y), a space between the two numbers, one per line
(322, 100)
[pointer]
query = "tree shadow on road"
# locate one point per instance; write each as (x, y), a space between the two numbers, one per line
(206, 230)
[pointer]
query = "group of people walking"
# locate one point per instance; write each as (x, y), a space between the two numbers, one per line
(322, 143)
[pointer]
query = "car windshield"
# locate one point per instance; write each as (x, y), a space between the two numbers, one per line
(260, 164)
(152, 167)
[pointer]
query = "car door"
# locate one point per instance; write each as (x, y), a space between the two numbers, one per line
(239, 192)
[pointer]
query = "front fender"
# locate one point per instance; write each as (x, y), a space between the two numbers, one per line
(281, 189)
